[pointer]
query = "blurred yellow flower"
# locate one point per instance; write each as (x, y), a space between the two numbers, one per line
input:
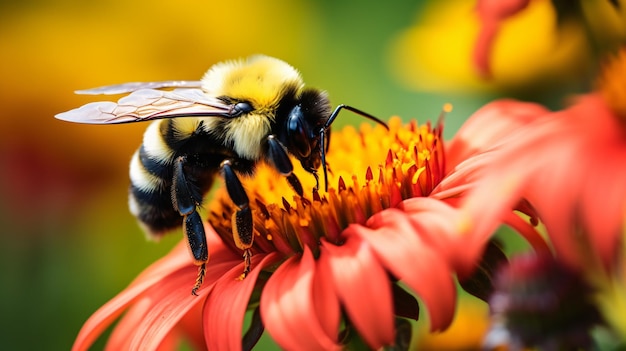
(529, 51)
(466, 331)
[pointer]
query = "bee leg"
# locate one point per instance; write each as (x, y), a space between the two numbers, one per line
(281, 162)
(243, 229)
(193, 228)
(317, 179)
(185, 200)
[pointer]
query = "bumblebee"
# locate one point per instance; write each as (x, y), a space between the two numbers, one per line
(240, 114)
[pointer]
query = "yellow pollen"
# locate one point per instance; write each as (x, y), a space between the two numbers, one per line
(369, 169)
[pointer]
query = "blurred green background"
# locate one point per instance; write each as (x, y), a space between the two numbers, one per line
(67, 241)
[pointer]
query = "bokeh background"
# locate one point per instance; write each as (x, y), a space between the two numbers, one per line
(67, 241)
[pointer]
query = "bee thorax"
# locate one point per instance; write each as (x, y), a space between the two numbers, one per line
(247, 133)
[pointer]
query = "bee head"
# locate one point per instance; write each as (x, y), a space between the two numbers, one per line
(304, 128)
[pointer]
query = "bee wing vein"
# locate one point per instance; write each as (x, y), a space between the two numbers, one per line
(148, 104)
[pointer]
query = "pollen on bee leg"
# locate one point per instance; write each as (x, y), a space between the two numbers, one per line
(247, 255)
(199, 279)
(243, 235)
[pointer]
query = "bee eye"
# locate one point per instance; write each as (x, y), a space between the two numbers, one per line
(242, 107)
(299, 133)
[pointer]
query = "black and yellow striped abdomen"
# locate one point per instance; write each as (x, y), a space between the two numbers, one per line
(152, 169)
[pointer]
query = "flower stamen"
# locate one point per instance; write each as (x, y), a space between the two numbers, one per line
(410, 163)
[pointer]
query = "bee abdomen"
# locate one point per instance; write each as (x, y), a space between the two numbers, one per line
(150, 198)
(156, 219)
(152, 172)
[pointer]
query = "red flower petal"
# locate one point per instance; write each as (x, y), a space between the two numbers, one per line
(368, 302)
(603, 202)
(471, 150)
(484, 45)
(171, 341)
(485, 210)
(488, 127)
(168, 303)
(554, 185)
(491, 14)
(397, 244)
(326, 302)
(226, 305)
(109, 312)
(288, 307)
(442, 228)
(192, 328)
(175, 264)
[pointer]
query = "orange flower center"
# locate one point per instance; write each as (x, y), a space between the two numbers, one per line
(369, 170)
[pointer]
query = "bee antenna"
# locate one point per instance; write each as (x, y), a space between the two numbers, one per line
(333, 115)
(323, 156)
(331, 119)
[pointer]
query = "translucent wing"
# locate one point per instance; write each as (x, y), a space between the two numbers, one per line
(149, 104)
(134, 86)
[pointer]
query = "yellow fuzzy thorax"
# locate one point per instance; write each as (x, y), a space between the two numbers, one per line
(260, 80)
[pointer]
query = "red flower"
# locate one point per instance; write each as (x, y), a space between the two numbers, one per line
(326, 267)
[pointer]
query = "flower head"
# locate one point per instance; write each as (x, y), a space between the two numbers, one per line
(324, 266)
(403, 215)
(395, 165)
(333, 227)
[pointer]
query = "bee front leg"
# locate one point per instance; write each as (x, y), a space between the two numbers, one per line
(185, 200)
(243, 229)
(281, 162)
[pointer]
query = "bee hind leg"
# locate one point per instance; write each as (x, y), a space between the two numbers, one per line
(185, 200)
(196, 238)
(243, 229)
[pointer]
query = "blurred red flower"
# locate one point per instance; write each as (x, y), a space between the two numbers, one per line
(570, 166)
